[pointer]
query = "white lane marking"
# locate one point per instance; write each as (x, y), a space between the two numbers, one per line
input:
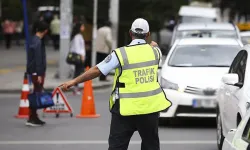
(97, 142)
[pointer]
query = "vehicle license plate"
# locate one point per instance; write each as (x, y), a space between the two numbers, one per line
(205, 103)
(196, 103)
(208, 103)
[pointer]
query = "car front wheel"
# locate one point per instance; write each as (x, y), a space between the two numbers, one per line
(220, 136)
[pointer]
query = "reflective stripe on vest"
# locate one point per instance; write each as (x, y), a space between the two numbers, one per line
(140, 94)
(137, 65)
(138, 88)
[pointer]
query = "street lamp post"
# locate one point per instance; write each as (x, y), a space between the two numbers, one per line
(65, 31)
(94, 33)
(114, 18)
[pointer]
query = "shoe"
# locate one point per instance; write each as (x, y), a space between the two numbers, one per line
(40, 121)
(34, 123)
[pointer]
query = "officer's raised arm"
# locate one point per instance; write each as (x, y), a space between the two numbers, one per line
(108, 64)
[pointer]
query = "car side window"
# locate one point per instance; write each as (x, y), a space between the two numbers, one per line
(235, 63)
(239, 65)
(246, 132)
(242, 68)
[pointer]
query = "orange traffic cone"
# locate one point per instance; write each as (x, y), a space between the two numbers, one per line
(88, 104)
(24, 102)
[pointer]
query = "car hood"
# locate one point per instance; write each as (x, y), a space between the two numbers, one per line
(201, 77)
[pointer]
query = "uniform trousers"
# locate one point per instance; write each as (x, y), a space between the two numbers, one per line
(123, 127)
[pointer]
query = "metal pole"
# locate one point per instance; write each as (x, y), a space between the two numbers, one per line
(0, 8)
(94, 33)
(26, 32)
(65, 30)
(26, 28)
(114, 18)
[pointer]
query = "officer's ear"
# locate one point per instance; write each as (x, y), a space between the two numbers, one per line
(147, 35)
(130, 33)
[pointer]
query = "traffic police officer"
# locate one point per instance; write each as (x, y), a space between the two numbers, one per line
(137, 97)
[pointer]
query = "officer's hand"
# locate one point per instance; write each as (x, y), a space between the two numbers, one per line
(153, 43)
(67, 85)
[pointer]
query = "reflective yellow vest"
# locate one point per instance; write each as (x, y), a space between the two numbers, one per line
(137, 82)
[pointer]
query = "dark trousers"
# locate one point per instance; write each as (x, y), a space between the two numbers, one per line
(99, 58)
(55, 39)
(123, 127)
(88, 59)
(37, 88)
(79, 69)
(8, 38)
(18, 38)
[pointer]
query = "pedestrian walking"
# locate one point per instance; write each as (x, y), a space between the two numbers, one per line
(36, 67)
(165, 38)
(103, 44)
(87, 35)
(78, 46)
(19, 31)
(36, 22)
(8, 30)
(136, 97)
(55, 31)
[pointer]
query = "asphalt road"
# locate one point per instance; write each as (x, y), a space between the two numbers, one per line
(66, 133)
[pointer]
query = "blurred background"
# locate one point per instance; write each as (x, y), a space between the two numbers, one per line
(157, 12)
(199, 40)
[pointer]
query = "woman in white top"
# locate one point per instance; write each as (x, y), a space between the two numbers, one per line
(78, 46)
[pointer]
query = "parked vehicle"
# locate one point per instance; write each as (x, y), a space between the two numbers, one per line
(214, 30)
(191, 74)
(239, 139)
(245, 37)
(233, 97)
(189, 14)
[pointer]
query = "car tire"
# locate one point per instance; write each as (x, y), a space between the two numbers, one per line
(220, 136)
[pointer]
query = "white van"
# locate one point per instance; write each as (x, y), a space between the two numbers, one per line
(189, 14)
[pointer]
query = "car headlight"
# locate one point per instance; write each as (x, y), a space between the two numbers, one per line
(168, 85)
(247, 105)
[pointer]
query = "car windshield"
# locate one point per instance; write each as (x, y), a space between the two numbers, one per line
(203, 55)
(206, 33)
(190, 19)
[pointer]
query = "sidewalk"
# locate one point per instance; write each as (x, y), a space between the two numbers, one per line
(12, 67)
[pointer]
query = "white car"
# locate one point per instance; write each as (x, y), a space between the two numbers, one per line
(217, 30)
(191, 75)
(245, 37)
(239, 139)
(233, 96)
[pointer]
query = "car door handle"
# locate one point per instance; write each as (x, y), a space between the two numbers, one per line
(228, 94)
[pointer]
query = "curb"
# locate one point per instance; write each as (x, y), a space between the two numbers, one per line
(11, 91)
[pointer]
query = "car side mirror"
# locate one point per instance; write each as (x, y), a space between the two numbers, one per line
(232, 79)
